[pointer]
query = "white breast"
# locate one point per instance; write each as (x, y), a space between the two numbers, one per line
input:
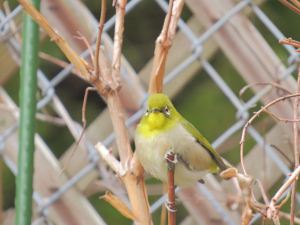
(151, 151)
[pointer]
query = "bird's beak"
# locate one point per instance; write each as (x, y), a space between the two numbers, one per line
(156, 110)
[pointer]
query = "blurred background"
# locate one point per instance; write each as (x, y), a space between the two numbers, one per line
(244, 50)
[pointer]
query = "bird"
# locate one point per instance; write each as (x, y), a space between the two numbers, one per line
(163, 129)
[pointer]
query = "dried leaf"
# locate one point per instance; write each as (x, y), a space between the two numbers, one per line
(245, 183)
(229, 173)
(119, 205)
(247, 215)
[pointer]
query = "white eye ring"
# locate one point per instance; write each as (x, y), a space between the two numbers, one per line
(167, 111)
(147, 111)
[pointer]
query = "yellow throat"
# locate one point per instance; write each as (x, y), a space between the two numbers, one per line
(160, 116)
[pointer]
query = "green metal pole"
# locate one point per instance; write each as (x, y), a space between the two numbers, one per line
(28, 102)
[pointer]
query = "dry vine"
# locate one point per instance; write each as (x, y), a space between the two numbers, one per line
(271, 209)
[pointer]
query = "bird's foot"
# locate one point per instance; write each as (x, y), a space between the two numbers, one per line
(172, 153)
(167, 203)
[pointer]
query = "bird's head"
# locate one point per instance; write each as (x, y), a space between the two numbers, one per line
(160, 114)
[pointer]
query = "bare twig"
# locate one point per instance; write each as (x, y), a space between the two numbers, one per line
(282, 153)
(171, 189)
(119, 205)
(289, 5)
(271, 211)
(81, 37)
(296, 3)
(39, 116)
(163, 217)
(98, 42)
(266, 200)
(280, 119)
(288, 216)
(129, 169)
(118, 41)
(78, 62)
(58, 62)
(12, 24)
(290, 41)
(163, 44)
(242, 91)
(296, 150)
(83, 128)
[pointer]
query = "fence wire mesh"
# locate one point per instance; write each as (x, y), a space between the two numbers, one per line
(248, 52)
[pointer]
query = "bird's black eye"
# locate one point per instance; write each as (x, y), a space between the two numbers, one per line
(167, 111)
(147, 111)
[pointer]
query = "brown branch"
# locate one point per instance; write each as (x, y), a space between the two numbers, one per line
(289, 5)
(98, 42)
(163, 44)
(171, 189)
(81, 37)
(118, 40)
(296, 150)
(163, 217)
(288, 216)
(282, 153)
(58, 62)
(296, 3)
(78, 62)
(266, 200)
(242, 142)
(119, 205)
(242, 91)
(272, 209)
(280, 119)
(290, 41)
(130, 170)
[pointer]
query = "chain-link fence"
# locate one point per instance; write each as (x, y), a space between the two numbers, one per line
(213, 25)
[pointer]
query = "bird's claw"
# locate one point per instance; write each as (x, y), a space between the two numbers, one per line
(177, 202)
(171, 152)
(167, 203)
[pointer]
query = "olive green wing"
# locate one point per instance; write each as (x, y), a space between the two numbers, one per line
(204, 143)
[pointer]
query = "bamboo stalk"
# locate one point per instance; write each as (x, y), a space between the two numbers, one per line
(27, 119)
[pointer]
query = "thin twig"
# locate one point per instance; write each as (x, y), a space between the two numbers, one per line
(163, 44)
(280, 119)
(77, 61)
(118, 42)
(289, 5)
(42, 117)
(282, 153)
(296, 150)
(163, 217)
(81, 37)
(98, 41)
(83, 128)
(242, 91)
(283, 188)
(58, 62)
(290, 41)
(296, 3)
(12, 23)
(171, 189)
(266, 200)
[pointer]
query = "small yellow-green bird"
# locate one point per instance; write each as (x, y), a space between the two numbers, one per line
(162, 129)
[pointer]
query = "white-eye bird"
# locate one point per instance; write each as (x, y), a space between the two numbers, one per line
(162, 129)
